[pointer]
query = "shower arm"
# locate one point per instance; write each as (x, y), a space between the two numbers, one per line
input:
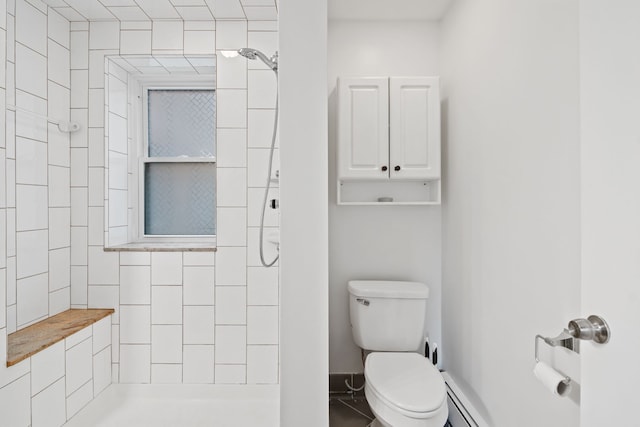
(271, 62)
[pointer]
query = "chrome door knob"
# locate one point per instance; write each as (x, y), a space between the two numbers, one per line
(593, 328)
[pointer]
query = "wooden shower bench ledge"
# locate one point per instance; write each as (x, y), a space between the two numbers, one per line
(35, 338)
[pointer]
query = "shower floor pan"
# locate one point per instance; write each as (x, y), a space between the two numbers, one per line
(141, 405)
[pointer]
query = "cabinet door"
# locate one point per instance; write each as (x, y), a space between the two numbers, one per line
(414, 128)
(363, 128)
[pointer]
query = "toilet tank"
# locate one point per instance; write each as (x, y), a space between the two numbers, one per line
(387, 315)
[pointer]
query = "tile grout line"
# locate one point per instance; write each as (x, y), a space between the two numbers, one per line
(354, 409)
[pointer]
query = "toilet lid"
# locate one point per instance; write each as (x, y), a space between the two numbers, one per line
(406, 380)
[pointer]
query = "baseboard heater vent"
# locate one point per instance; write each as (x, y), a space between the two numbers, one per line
(461, 411)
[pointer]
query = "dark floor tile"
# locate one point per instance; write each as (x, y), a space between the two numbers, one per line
(360, 404)
(340, 396)
(349, 413)
(337, 383)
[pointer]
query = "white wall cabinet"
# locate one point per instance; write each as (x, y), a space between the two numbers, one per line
(388, 140)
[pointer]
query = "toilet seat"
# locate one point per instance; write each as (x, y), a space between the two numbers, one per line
(406, 382)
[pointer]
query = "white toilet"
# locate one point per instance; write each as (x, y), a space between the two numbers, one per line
(402, 387)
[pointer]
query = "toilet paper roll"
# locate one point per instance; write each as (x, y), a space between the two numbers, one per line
(553, 380)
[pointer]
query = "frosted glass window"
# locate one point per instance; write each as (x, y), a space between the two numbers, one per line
(180, 199)
(181, 122)
(179, 163)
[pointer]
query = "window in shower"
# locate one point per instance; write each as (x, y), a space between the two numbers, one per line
(177, 182)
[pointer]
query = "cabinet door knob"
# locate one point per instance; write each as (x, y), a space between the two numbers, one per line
(384, 168)
(397, 168)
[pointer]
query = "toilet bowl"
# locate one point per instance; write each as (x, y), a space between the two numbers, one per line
(405, 390)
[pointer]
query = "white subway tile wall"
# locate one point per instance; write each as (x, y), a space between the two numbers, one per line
(192, 317)
(79, 398)
(48, 407)
(51, 386)
(35, 199)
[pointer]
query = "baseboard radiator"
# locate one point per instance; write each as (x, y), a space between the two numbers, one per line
(461, 411)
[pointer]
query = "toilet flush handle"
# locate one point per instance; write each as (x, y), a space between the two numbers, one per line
(363, 301)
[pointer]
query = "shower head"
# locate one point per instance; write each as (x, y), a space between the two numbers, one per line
(256, 54)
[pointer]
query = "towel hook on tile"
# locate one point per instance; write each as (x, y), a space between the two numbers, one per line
(63, 125)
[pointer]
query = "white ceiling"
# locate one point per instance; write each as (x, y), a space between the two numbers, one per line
(388, 10)
(144, 10)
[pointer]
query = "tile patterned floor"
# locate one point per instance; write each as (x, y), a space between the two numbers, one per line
(349, 412)
(352, 412)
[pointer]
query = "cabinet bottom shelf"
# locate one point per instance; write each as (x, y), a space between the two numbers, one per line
(390, 193)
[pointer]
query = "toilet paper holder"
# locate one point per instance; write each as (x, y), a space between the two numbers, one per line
(565, 339)
(593, 328)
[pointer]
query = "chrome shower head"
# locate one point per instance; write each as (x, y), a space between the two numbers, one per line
(247, 53)
(256, 54)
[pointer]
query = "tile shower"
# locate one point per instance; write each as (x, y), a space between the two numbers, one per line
(181, 317)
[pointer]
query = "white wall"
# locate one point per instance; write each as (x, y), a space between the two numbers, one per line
(180, 316)
(610, 102)
(37, 255)
(511, 227)
(304, 376)
(371, 242)
(4, 200)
